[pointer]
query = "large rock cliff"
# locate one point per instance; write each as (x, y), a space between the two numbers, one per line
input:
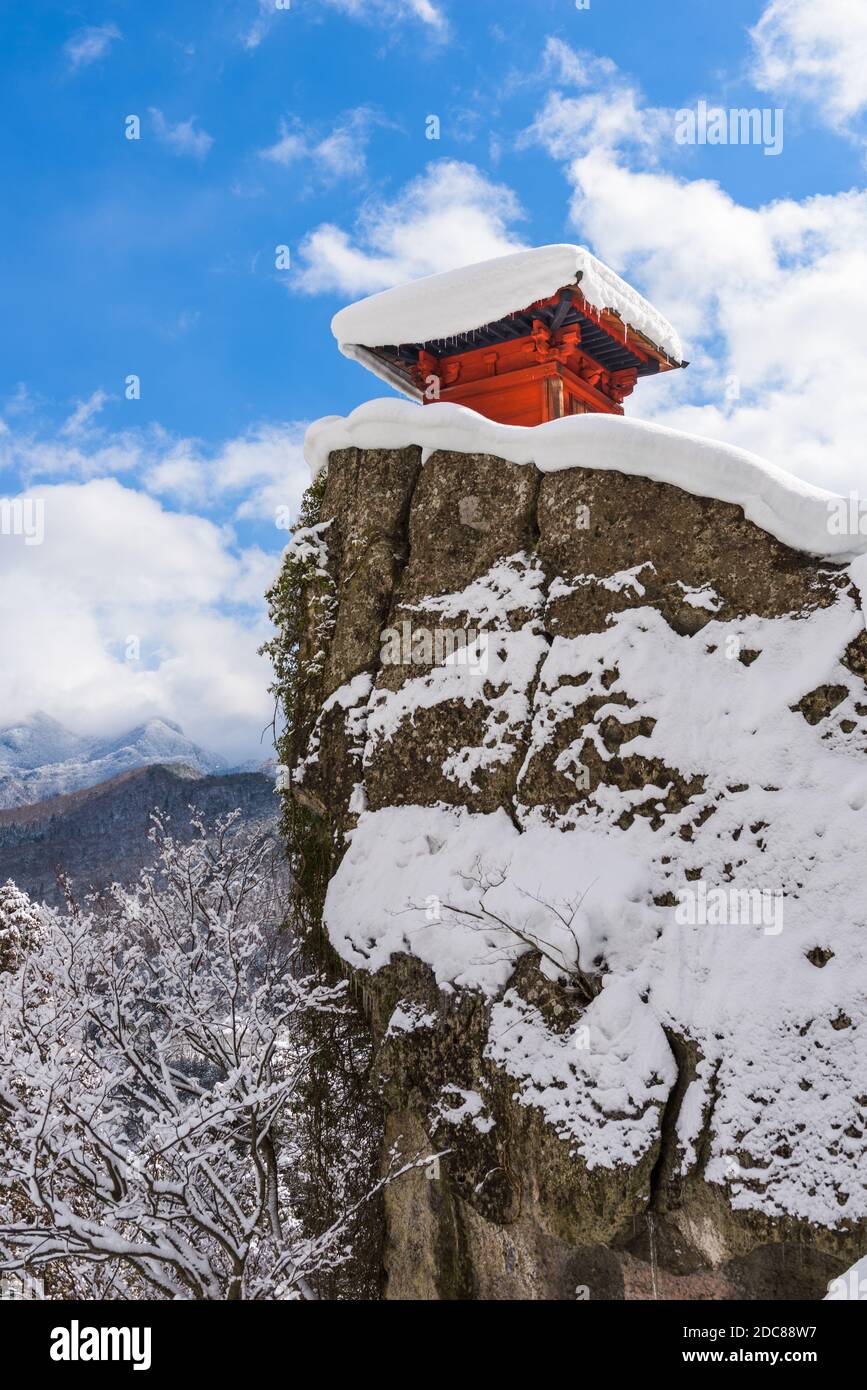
(585, 755)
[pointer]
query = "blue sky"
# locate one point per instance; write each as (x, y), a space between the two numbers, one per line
(305, 127)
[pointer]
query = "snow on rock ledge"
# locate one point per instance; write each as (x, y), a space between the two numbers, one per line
(793, 511)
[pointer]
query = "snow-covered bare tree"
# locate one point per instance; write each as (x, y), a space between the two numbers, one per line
(19, 925)
(151, 1059)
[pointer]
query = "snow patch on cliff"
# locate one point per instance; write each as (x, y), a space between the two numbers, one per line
(773, 1003)
(412, 872)
(602, 1083)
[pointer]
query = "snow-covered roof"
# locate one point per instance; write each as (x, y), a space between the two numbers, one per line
(460, 301)
(793, 511)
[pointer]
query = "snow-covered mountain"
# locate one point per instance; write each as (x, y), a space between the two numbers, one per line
(99, 835)
(41, 758)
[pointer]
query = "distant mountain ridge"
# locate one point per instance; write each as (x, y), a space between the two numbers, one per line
(40, 758)
(98, 834)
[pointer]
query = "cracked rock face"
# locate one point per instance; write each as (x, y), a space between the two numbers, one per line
(593, 753)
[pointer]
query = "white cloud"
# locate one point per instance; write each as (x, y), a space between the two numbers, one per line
(20, 403)
(427, 12)
(805, 49)
(252, 37)
(266, 466)
(117, 563)
(450, 215)
(179, 473)
(182, 138)
(114, 565)
(339, 154)
(609, 114)
(770, 301)
(577, 67)
(390, 11)
(250, 477)
(289, 147)
(259, 473)
(34, 455)
(84, 412)
(89, 44)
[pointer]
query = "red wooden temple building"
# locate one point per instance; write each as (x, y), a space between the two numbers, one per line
(522, 339)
